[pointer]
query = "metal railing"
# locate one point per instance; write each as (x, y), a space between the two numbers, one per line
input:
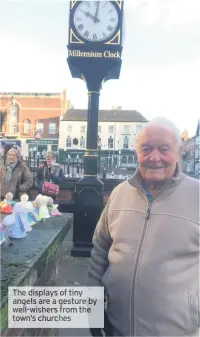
(113, 165)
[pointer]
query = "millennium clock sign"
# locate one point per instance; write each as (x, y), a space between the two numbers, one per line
(94, 55)
(95, 30)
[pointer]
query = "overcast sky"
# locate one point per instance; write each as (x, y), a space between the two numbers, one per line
(160, 74)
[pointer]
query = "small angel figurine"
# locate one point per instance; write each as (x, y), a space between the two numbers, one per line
(30, 216)
(36, 207)
(55, 211)
(21, 213)
(14, 226)
(43, 210)
(7, 203)
(29, 206)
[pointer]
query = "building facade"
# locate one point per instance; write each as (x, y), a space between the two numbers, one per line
(190, 153)
(197, 152)
(49, 133)
(24, 114)
(187, 155)
(117, 129)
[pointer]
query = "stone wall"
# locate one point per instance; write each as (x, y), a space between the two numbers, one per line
(32, 261)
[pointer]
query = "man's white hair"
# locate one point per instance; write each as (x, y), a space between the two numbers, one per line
(163, 123)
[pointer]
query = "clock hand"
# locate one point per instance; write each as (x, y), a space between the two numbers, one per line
(89, 15)
(97, 12)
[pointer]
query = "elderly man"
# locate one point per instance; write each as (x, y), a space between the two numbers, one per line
(146, 243)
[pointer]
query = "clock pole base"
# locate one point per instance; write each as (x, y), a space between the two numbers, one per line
(77, 251)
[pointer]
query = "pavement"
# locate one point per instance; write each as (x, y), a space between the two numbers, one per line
(72, 272)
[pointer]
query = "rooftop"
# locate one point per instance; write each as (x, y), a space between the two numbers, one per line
(29, 94)
(105, 115)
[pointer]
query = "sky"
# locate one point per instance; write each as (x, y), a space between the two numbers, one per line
(160, 74)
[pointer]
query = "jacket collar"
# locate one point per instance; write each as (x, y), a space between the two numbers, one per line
(137, 181)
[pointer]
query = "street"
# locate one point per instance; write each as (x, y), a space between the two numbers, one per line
(72, 272)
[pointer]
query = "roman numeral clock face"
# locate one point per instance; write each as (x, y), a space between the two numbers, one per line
(96, 20)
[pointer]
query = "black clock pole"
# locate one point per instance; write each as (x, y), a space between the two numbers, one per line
(89, 189)
(95, 63)
(90, 162)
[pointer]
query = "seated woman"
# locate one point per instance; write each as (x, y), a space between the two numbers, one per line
(15, 176)
(50, 171)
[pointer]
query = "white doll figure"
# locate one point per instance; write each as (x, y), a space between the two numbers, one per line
(14, 226)
(21, 212)
(43, 210)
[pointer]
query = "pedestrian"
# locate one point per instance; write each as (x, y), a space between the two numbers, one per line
(50, 171)
(15, 175)
(146, 243)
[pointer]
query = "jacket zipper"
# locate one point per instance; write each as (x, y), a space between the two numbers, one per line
(132, 310)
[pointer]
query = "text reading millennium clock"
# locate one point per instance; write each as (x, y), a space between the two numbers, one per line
(96, 20)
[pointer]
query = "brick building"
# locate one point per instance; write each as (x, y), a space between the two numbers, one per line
(27, 113)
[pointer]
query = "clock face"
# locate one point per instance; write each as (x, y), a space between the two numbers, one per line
(96, 21)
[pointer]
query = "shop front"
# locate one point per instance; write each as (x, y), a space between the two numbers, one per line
(39, 147)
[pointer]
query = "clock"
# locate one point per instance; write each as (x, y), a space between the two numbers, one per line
(96, 21)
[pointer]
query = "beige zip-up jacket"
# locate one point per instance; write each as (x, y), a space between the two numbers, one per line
(147, 258)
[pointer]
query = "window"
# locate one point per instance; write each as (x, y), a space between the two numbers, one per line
(82, 142)
(69, 128)
(125, 142)
(83, 128)
(111, 129)
(110, 143)
(40, 127)
(52, 128)
(14, 128)
(27, 126)
(126, 129)
(124, 160)
(99, 128)
(130, 159)
(14, 112)
(138, 127)
(69, 142)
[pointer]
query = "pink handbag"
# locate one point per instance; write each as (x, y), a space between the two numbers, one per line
(50, 188)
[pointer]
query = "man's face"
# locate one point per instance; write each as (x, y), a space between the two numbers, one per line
(12, 157)
(158, 153)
